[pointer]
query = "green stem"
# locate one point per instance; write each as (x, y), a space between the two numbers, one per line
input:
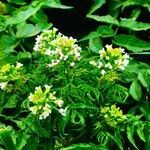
(147, 144)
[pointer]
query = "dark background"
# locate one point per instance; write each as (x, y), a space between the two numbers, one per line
(75, 23)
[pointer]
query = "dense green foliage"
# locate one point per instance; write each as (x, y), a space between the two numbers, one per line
(59, 93)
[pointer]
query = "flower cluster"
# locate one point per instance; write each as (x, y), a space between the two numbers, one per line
(44, 101)
(112, 115)
(111, 59)
(58, 47)
(9, 73)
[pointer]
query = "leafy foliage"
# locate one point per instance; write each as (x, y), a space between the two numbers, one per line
(99, 98)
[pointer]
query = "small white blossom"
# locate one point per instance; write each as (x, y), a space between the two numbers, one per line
(33, 109)
(72, 64)
(100, 64)
(103, 72)
(47, 88)
(57, 47)
(66, 57)
(63, 111)
(122, 67)
(93, 63)
(59, 102)
(126, 56)
(125, 62)
(30, 97)
(19, 65)
(3, 85)
(44, 115)
(122, 49)
(108, 46)
(107, 58)
(108, 65)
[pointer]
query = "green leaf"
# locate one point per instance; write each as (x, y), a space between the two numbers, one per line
(7, 45)
(96, 5)
(131, 43)
(32, 143)
(62, 124)
(19, 2)
(23, 56)
(106, 19)
(144, 3)
(105, 31)
(95, 44)
(7, 59)
(35, 125)
(5, 134)
(24, 14)
(141, 133)
(39, 17)
(144, 78)
(118, 93)
(77, 118)
(135, 90)
(134, 25)
(56, 4)
(84, 147)
(12, 102)
(145, 109)
(137, 67)
(89, 36)
(102, 31)
(118, 141)
(28, 30)
(22, 138)
(130, 131)
(82, 106)
(2, 23)
(130, 3)
(135, 13)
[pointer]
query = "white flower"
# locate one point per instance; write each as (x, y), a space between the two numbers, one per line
(63, 111)
(118, 62)
(44, 115)
(30, 97)
(3, 85)
(122, 49)
(38, 88)
(58, 51)
(38, 38)
(19, 65)
(102, 53)
(72, 64)
(125, 62)
(51, 96)
(103, 72)
(46, 112)
(55, 29)
(54, 63)
(108, 46)
(108, 65)
(107, 58)
(66, 57)
(47, 87)
(34, 109)
(59, 102)
(47, 107)
(77, 54)
(126, 56)
(93, 63)
(122, 67)
(36, 47)
(100, 64)
(48, 52)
